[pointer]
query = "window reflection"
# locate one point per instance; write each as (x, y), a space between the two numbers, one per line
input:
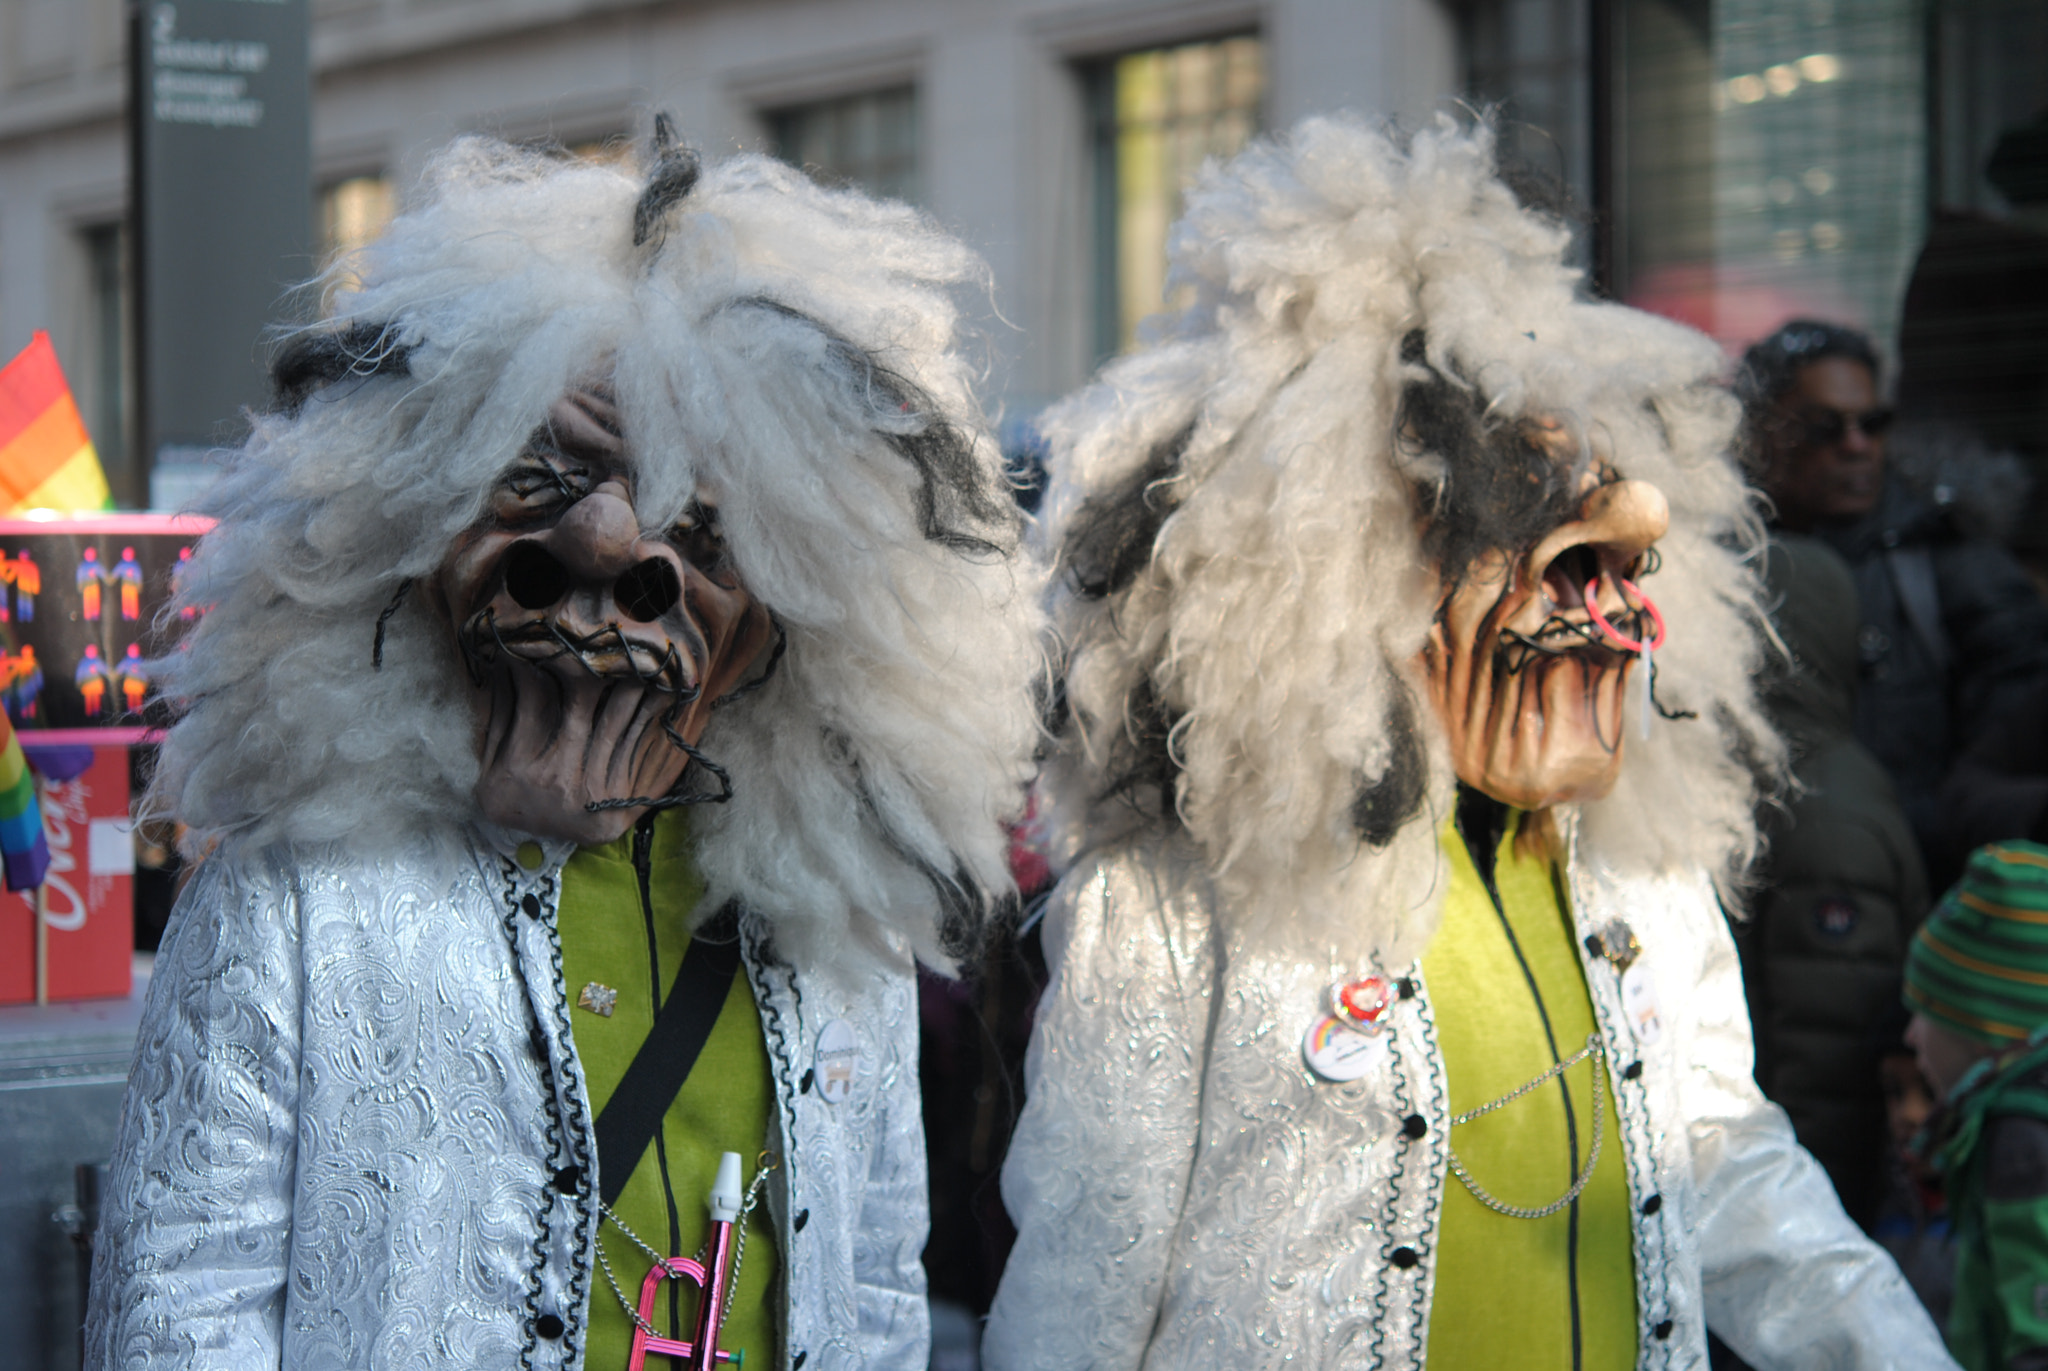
(1155, 116)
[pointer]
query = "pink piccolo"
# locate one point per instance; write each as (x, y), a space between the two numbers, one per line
(711, 1276)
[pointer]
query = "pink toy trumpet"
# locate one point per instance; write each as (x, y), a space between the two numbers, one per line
(712, 1276)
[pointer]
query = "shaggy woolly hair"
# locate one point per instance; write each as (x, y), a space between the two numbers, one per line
(785, 351)
(1245, 512)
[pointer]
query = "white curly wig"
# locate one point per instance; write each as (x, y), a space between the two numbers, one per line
(1238, 517)
(783, 350)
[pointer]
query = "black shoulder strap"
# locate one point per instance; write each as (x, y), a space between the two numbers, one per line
(636, 1108)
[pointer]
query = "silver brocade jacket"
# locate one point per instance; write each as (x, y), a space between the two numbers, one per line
(356, 1135)
(1187, 1195)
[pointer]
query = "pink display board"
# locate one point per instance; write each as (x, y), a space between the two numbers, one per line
(81, 614)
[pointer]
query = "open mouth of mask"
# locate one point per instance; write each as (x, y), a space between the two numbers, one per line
(1531, 653)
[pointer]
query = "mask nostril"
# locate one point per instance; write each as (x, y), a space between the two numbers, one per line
(533, 578)
(648, 590)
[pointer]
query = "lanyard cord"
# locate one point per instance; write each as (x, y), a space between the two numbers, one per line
(763, 1166)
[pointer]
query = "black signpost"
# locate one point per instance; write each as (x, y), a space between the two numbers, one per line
(220, 155)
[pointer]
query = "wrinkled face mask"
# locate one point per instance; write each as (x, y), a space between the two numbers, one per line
(600, 644)
(1532, 648)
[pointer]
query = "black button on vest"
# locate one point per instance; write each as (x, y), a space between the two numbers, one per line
(1653, 1204)
(1415, 1125)
(548, 1326)
(1404, 1257)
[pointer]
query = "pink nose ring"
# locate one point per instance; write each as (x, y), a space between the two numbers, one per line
(1628, 589)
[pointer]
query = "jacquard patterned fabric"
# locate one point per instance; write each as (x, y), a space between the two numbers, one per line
(354, 1103)
(1187, 1195)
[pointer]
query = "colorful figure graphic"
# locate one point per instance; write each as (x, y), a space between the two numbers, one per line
(23, 681)
(127, 574)
(27, 579)
(28, 583)
(178, 581)
(134, 678)
(89, 584)
(93, 680)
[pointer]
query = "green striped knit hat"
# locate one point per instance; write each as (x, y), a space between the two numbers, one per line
(1980, 962)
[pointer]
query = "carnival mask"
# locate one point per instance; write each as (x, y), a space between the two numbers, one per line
(1533, 643)
(601, 645)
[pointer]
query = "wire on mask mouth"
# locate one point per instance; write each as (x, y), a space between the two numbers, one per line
(1643, 607)
(1557, 636)
(484, 649)
(677, 795)
(485, 644)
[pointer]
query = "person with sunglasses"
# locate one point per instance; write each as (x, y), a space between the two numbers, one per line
(1952, 629)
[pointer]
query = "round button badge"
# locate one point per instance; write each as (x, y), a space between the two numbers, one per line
(836, 1060)
(1337, 1051)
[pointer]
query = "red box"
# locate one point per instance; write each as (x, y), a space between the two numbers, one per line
(91, 889)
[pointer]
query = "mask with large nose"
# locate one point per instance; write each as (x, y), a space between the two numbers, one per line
(600, 644)
(1531, 649)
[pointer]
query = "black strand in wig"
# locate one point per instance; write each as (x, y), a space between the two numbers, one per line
(1395, 796)
(955, 496)
(1109, 544)
(313, 360)
(674, 175)
(1112, 535)
(1495, 487)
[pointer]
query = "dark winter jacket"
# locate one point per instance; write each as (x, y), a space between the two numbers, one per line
(1999, 788)
(1842, 890)
(1991, 1142)
(1952, 633)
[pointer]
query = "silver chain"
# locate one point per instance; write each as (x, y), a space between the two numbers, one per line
(763, 1165)
(1515, 1211)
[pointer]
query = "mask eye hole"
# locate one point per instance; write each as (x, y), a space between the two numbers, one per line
(699, 538)
(648, 590)
(533, 578)
(541, 484)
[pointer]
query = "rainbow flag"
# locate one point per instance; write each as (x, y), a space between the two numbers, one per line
(24, 853)
(47, 460)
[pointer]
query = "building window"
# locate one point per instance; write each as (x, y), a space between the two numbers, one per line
(106, 384)
(1772, 161)
(614, 150)
(868, 140)
(1531, 61)
(1154, 117)
(352, 214)
(1874, 163)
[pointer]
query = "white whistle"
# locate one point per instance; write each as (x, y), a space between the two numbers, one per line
(1649, 688)
(725, 1191)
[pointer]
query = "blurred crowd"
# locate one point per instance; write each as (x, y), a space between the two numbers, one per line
(1913, 692)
